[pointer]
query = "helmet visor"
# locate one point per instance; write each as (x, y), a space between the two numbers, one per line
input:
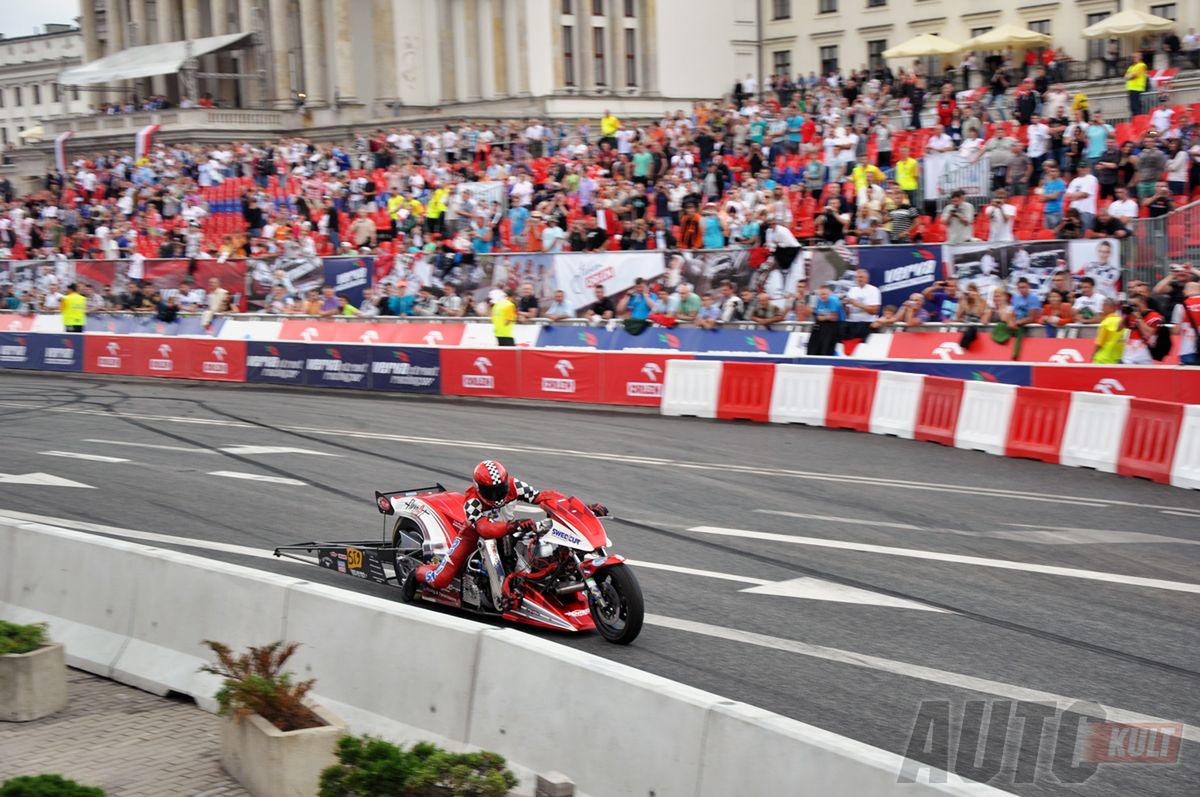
(492, 493)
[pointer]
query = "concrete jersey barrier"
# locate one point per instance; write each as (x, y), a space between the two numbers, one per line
(139, 614)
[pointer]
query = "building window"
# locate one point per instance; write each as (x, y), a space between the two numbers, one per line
(4, 136)
(631, 8)
(827, 7)
(781, 9)
(37, 94)
(1, 98)
(875, 50)
(568, 49)
(599, 74)
(876, 3)
(631, 57)
(979, 31)
(1096, 47)
(566, 7)
(17, 96)
(1040, 26)
(597, 8)
(54, 90)
(1165, 10)
(75, 93)
(781, 62)
(829, 59)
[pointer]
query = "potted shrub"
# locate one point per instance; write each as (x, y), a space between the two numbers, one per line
(273, 741)
(33, 673)
(47, 786)
(369, 767)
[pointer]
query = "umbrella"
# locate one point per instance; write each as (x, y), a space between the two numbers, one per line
(1006, 35)
(923, 45)
(35, 133)
(1127, 23)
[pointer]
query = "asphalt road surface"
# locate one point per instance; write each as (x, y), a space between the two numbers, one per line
(865, 585)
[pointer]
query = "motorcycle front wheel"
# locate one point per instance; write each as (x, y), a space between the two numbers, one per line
(620, 620)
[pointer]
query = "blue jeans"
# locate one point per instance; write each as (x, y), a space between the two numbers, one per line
(1089, 220)
(1189, 359)
(1053, 220)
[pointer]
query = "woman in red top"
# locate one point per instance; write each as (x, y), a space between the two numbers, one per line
(1056, 313)
(946, 105)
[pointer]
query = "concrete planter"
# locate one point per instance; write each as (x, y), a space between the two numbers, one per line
(33, 685)
(269, 762)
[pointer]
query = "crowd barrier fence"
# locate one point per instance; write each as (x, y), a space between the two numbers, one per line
(138, 614)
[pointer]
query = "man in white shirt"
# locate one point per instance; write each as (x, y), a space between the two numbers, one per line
(1089, 305)
(1160, 119)
(863, 300)
(1039, 145)
(1000, 215)
(522, 191)
(1082, 193)
(1123, 209)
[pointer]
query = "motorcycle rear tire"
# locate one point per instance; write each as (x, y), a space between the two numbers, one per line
(620, 580)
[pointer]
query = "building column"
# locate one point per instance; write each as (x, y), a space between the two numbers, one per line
(91, 37)
(486, 55)
(385, 46)
(280, 66)
(115, 20)
(312, 34)
(191, 19)
(458, 39)
(250, 63)
(347, 86)
(512, 48)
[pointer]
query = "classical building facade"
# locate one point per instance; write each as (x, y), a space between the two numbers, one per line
(388, 55)
(29, 91)
(802, 36)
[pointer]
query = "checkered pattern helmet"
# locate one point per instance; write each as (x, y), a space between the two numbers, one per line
(491, 481)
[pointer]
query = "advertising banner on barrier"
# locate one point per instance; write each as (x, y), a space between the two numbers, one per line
(349, 276)
(217, 360)
(634, 379)
(991, 265)
(945, 346)
(561, 376)
(275, 363)
(18, 323)
(899, 271)
(15, 350)
(579, 274)
(1144, 381)
(480, 372)
(108, 354)
(573, 337)
(398, 333)
(337, 366)
(62, 352)
(167, 276)
(406, 370)
(741, 341)
(1014, 374)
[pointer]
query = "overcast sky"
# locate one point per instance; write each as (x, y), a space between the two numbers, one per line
(20, 17)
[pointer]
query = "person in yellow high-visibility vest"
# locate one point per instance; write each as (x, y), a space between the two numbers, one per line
(504, 317)
(609, 125)
(74, 309)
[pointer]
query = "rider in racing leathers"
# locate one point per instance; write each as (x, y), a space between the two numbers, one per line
(493, 490)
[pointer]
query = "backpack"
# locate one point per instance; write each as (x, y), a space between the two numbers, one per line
(1162, 343)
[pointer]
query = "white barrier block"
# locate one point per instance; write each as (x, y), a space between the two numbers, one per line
(897, 399)
(389, 661)
(169, 624)
(875, 347)
(800, 394)
(617, 730)
(800, 759)
(984, 416)
(1185, 470)
(1095, 425)
(82, 588)
(691, 387)
(48, 324)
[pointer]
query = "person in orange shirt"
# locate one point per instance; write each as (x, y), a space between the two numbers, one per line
(1057, 312)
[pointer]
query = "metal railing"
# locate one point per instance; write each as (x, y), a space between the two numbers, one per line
(973, 178)
(1154, 243)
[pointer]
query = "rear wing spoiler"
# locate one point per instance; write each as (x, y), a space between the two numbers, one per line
(383, 501)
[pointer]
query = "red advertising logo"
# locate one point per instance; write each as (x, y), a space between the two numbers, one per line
(635, 379)
(561, 376)
(480, 372)
(1134, 742)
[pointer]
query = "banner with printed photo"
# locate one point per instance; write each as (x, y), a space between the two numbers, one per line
(511, 270)
(984, 264)
(579, 274)
(900, 271)
(1100, 259)
(832, 265)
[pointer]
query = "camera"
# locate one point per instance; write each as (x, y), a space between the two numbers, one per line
(1128, 309)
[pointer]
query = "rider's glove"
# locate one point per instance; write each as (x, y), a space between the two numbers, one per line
(521, 528)
(599, 510)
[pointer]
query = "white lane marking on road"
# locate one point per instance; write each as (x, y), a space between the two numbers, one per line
(819, 589)
(883, 524)
(857, 480)
(41, 480)
(78, 455)
(941, 677)
(978, 561)
(1067, 535)
(1183, 513)
(256, 477)
(702, 573)
(249, 450)
(158, 446)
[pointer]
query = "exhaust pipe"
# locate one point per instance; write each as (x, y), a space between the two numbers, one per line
(564, 590)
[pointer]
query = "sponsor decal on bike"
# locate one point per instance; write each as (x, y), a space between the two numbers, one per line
(578, 612)
(354, 558)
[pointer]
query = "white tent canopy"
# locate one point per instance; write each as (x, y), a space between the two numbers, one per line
(1006, 35)
(926, 44)
(147, 61)
(1127, 23)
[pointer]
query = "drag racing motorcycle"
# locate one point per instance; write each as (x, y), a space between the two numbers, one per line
(559, 576)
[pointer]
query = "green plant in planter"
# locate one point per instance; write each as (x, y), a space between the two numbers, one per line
(370, 767)
(47, 786)
(16, 639)
(255, 683)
